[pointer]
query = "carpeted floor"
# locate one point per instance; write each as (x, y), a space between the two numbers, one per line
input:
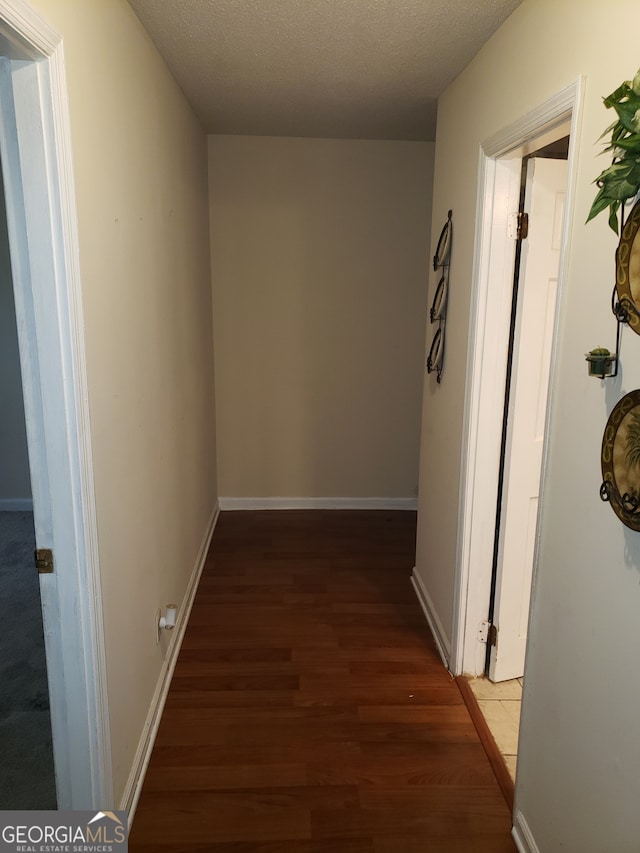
(26, 765)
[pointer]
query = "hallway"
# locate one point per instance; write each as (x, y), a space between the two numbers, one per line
(309, 710)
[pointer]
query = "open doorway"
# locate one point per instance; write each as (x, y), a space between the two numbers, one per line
(27, 773)
(494, 325)
(533, 318)
(538, 230)
(498, 200)
(42, 235)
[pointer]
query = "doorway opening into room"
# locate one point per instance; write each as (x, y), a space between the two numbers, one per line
(27, 779)
(500, 180)
(538, 228)
(43, 247)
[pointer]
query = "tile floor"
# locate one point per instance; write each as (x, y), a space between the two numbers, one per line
(500, 705)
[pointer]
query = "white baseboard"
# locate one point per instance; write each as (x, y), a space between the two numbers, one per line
(16, 505)
(522, 835)
(133, 787)
(318, 503)
(439, 635)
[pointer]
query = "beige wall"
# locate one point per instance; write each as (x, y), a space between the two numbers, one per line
(140, 167)
(15, 483)
(319, 263)
(578, 784)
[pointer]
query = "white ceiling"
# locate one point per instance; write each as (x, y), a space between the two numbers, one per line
(324, 68)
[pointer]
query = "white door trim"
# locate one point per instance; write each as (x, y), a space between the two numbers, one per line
(35, 141)
(486, 366)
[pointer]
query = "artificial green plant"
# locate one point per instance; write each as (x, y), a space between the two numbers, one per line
(621, 180)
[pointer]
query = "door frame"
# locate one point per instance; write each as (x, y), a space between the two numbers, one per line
(498, 185)
(35, 143)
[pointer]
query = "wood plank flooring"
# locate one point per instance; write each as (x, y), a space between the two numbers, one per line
(309, 710)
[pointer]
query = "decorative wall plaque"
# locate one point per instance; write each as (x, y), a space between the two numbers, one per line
(620, 460)
(628, 269)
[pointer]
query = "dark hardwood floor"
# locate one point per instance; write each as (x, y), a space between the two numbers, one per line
(309, 710)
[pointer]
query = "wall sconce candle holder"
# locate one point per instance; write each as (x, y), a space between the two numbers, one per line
(602, 363)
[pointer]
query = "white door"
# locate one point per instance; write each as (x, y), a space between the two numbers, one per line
(535, 317)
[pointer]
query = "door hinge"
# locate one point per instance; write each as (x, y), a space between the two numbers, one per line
(518, 225)
(487, 633)
(44, 561)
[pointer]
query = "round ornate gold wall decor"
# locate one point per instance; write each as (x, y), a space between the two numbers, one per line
(628, 268)
(620, 460)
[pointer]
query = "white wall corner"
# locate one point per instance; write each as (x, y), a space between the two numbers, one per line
(439, 634)
(227, 504)
(142, 757)
(522, 835)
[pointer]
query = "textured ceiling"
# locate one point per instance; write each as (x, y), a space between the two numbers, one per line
(324, 68)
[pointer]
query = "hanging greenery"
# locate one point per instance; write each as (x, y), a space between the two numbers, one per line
(621, 180)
